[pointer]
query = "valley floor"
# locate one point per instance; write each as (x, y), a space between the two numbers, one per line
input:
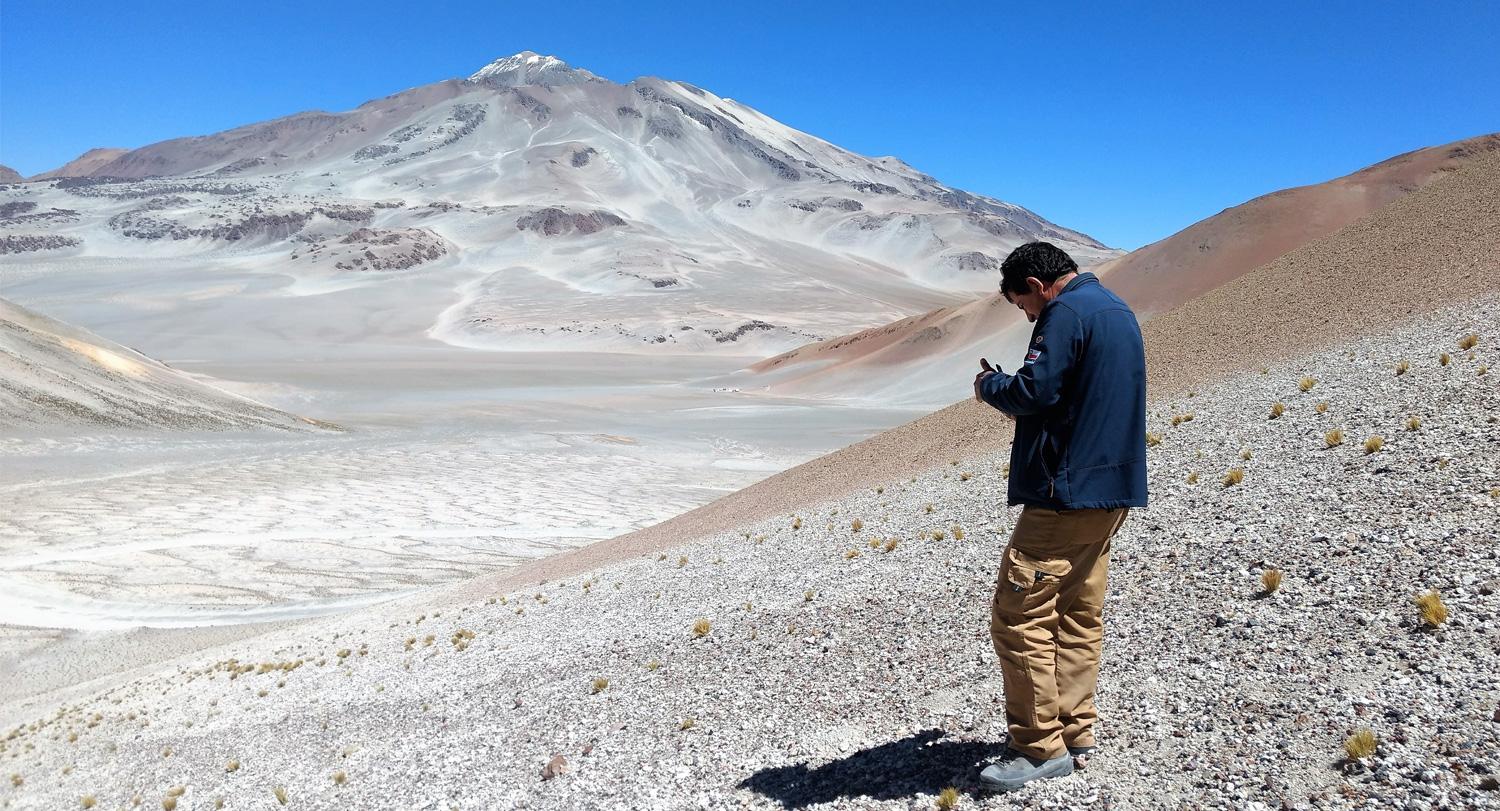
(801, 662)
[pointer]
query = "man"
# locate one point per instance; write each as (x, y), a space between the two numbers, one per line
(1078, 464)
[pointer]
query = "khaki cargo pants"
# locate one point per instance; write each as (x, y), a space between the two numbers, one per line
(1047, 625)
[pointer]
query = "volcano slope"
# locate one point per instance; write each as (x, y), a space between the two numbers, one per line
(819, 639)
(836, 655)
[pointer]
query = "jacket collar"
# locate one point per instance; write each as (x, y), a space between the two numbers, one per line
(1084, 277)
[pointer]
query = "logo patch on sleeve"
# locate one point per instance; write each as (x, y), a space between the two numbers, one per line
(1032, 355)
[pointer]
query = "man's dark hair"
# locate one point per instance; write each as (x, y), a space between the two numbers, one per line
(1045, 261)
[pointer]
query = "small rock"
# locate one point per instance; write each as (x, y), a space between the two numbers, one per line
(556, 766)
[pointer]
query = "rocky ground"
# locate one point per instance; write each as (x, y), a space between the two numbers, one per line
(839, 657)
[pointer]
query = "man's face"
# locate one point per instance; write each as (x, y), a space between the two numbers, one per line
(1031, 301)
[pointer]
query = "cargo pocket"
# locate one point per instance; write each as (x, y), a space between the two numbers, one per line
(1028, 584)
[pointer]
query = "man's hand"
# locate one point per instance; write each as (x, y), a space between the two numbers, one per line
(985, 371)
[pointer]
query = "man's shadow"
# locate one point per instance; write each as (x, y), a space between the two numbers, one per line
(916, 764)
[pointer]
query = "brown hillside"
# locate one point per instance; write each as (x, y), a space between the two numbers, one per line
(1437, 245)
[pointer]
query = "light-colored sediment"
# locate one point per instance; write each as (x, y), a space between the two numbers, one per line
(832, 681)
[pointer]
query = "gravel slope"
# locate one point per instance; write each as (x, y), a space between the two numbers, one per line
(832, 681)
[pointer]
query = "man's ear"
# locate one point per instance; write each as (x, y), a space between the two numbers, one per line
(1034, 285)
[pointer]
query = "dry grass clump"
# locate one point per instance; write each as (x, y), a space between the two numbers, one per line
(1374, 443)
(1468, 341)
(928, 508)
(1270, 580)
(1445, 359)
(1413, 423)
(280, 793)
(460, 638)
(1306, 383)
(797, 522)
(687, 724)
(169, 803)
(1182, 418)
(891, 544)
(599, 685)
(958, 532)
(1434, 613)
(1483, 370)
(874, 543)
(851, 554)
(1192, 478)
(856, 525)
(701, 627)
(947, 799)
(1277, 409)
(1152, 440)
(1321, 408)
(965, 476)
(682, 561)
(232, 766)
(1361, 744)
(938, 535)
(1333, 438)
(1233, 477)
(88, 801)
(17, 780)
(1245, 454)
(339, 777)
(1402, 367)
(807, 596)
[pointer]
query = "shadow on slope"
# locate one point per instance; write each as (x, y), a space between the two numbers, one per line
(919, 764)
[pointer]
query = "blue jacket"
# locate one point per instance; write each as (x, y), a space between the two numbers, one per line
(1079, 400)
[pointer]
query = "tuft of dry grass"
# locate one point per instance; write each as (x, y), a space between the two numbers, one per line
(1361, 744)
(891, 544)
(17, 780)
(1192, 478)
(1233, 477)
(807, 596)
(701, 627)
(851, 554)
(958, 532)
(1306, 383)
(797, 522)
(339, 777)
(682, 561)
(1374, 443)
(1152, 440)
(1434, 613)
(947, 799)
(1333, 438)
(1468, 341)
(1414, 423)
(874, 543)
(1182, 418)
(599, 685)
(938, 535)
(1245, 454)
(856, 525)
(1321, 408)
(687, 724)
(928, 508)
(1277, 409)
(1483, 370)
(965, 476)
(1402, 367)
(88, 801)
(1270, 580)
(1445, 359)
(280, 793)
(169, 803)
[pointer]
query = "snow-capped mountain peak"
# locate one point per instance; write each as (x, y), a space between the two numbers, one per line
(531, 68)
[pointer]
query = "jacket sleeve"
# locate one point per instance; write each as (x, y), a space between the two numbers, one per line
(1037, 385)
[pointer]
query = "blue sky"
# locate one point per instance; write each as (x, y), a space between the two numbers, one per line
(1126, 121)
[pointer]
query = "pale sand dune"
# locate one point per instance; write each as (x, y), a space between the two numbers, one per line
(53, 373)
(1434, 246)
(1153, 279)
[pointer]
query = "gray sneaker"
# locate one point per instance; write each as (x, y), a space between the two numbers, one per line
(1015, 770)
